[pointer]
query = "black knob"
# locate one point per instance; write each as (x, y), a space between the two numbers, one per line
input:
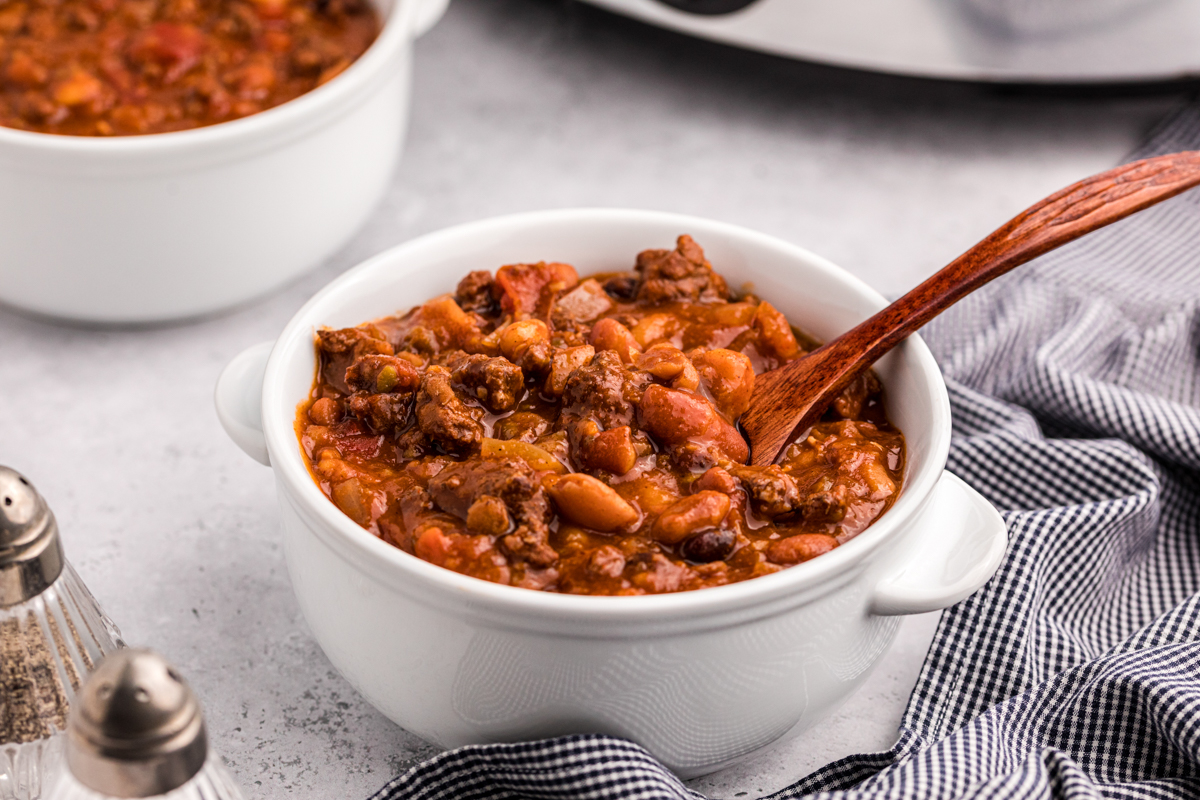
(708, 7)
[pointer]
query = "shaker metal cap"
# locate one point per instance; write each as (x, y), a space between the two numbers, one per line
(136, 729)
(31, 555)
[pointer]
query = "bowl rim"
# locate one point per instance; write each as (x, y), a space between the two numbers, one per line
(420, 579)
(395, 34)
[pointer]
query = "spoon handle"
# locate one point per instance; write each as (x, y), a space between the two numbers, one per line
(795, 395)
(1062, 217)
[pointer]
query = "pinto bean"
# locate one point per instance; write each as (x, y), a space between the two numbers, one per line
(608, 334)
(729, 376)
(689, 516)
(325, 411)
(668, 363)
(591, 503)
(518, 337)
(675, 418)
(801, 547)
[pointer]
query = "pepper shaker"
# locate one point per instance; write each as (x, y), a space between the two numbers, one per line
(137, 731)
(52, 634)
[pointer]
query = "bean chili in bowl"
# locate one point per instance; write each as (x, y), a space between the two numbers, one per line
(123, 67)
(579, 436)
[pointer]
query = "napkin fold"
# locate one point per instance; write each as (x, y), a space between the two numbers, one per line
(1075, 672)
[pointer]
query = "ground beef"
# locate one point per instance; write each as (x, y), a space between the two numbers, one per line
(772, 491)
(383, 412)
(442, 417)
(461, 487)
(670, 276)
(603, 390)
(496, 382)
(337, 349)
(476, 293)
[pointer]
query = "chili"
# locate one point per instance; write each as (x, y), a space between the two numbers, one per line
(579, 436)
(120, 67)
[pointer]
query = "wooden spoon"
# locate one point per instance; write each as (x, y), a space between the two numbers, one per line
(792, 398)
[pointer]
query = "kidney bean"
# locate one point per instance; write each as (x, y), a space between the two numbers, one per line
(674, 418)
(689, 516)
(713, 545)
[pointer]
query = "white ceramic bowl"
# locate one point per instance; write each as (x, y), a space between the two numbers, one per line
(700, 678)
(138, 229)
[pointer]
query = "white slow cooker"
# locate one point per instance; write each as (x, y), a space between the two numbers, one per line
(1008, 41)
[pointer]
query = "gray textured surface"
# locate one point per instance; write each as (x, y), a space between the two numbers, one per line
(519, 104)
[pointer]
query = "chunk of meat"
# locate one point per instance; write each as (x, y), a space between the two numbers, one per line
(442, 417)
(496, 382)
(602, 390)
(530, 289)
(849, 404)
(772, 491)
(680, 274)
(383, 412)
(458, 487)
(654, 573)
(476, 293)
(339, 348)
(521, 426)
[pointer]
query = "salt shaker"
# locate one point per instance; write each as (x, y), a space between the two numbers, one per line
(52, 634)
(137, 731)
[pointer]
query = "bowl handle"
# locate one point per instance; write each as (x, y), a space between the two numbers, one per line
(428, 12)
(958, 544)
(238, 398)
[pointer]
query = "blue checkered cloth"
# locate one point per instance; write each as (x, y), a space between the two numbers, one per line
(1075, 673)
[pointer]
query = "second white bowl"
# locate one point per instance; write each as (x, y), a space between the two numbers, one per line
(141, 229)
